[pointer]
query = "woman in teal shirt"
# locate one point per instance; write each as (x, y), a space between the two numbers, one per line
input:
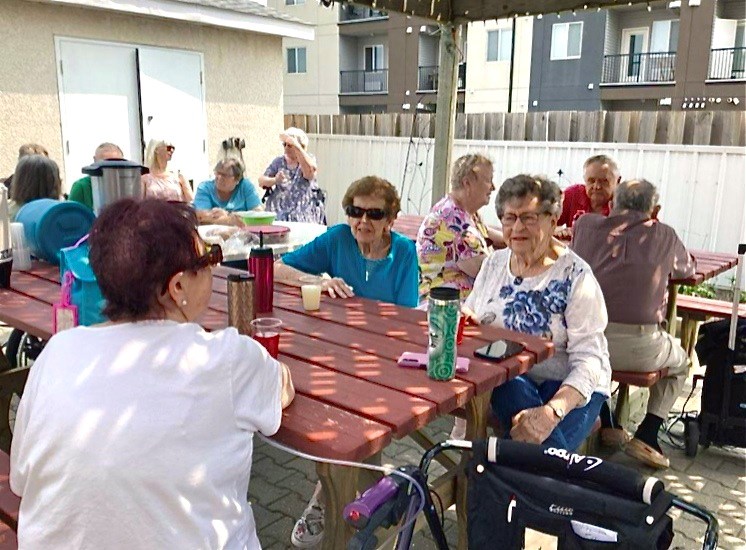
(363, 257)
(229, 192)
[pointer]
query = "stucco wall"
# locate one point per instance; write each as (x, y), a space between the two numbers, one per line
(243, 76)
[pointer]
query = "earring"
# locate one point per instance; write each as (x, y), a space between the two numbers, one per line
(183, 302)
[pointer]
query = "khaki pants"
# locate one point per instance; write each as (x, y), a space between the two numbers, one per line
(646, 348)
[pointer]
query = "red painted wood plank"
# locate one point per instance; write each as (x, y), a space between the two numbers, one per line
(26, 314)
(401, 412)
(316, 428)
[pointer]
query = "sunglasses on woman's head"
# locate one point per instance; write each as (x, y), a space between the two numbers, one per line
(372, 213)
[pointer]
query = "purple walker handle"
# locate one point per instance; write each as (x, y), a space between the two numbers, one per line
(358, 512)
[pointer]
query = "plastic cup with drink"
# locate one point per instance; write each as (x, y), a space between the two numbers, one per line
(266, 331)
(311, 291)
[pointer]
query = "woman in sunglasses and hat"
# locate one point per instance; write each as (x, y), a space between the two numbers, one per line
(138, 432)
(290, 182)
(364, 257)
(160, 182)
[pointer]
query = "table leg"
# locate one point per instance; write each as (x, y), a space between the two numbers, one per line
(339, 484)
(476, 428)
(673, 290)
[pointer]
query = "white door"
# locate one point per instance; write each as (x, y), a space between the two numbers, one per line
(98, 100)
(634, 49)
(173, 108)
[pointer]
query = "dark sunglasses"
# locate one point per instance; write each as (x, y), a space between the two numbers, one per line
(170, 148)
(287, 144)
(372, 213)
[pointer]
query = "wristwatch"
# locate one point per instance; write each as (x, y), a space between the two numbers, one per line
(559, 412)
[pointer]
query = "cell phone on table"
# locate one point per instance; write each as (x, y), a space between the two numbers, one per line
(413, 360)
(499, 350)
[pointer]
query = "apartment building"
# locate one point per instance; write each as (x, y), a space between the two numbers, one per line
(368, 61)
(686, 54)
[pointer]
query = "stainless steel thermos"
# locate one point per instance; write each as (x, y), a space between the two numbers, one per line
(241, 302)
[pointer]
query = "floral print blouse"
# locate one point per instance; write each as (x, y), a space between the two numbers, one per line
(448, 234)
(564, 304)
(296, 199)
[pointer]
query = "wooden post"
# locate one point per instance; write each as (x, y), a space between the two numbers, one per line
(445, 114)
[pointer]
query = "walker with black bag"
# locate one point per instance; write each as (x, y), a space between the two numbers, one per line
(581, 502)
(722, 348)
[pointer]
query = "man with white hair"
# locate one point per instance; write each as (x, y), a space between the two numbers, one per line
(633, 255)
(82, 189)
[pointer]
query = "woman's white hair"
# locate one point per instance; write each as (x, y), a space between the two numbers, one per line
(298, 134)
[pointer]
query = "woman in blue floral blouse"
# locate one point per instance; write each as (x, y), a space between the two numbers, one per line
(290, 181)
(540, 287)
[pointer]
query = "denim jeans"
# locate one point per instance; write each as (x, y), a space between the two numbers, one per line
(523, 393)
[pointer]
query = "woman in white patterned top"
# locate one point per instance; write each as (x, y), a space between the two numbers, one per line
(540, 287)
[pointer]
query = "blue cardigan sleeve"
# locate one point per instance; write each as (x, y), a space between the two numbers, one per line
(314, 257)
(202, 200)
(408, 277)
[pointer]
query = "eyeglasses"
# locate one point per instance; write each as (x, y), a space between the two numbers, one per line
(213, 257)
(285, 144)
(170, 148)
(528, 219)
(372, 213)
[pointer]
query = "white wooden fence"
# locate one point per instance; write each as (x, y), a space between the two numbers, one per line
(702, 188)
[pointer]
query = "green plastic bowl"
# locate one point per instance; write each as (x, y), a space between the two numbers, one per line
(257, 217)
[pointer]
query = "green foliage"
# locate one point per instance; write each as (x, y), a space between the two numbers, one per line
(703, 291)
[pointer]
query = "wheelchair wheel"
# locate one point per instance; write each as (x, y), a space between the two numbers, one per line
(691, 438)
(22, 348)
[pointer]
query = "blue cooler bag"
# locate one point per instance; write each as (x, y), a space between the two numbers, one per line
(84, 292)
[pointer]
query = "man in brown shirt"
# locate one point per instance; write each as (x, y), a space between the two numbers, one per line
(633, 255)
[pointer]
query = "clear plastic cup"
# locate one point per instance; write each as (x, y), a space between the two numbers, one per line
(266, 331)
(311, 292)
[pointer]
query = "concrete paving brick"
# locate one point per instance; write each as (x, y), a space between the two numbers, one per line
(264, 518)
(278, 532)
(299, 484)
(270, 471)
(265, 449)
(291, 505)
(260, 490)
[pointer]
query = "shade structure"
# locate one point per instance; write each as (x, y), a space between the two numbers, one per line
(451, 14)
(466, 11)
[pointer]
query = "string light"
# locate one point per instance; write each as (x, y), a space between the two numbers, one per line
(649, 7)
(539, 16)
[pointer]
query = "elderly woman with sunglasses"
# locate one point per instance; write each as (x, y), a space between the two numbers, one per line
(161, 183)
(138, 432)
(290, 182)
(540, 287)
(230, 191)
(363, 256)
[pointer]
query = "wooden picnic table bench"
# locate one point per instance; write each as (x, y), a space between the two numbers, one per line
(352, 399)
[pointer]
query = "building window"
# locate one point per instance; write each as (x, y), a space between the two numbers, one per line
(567, 39)
(374, 58)
(294, 2)
(296, 60)
(498, 45)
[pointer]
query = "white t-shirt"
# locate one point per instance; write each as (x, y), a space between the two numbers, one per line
(139, 435)
(564, 304)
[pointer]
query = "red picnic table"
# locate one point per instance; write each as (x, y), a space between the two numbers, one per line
(352, 399)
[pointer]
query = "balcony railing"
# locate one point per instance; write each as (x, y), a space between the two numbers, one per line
(642, 68)
(364, 82)
(349, 13)
(427, 80)
(728, 64)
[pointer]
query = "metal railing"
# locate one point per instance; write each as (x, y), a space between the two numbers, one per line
(639, 68)
(727, 64)
(364, 82)
(427, 78)
(348, 13)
